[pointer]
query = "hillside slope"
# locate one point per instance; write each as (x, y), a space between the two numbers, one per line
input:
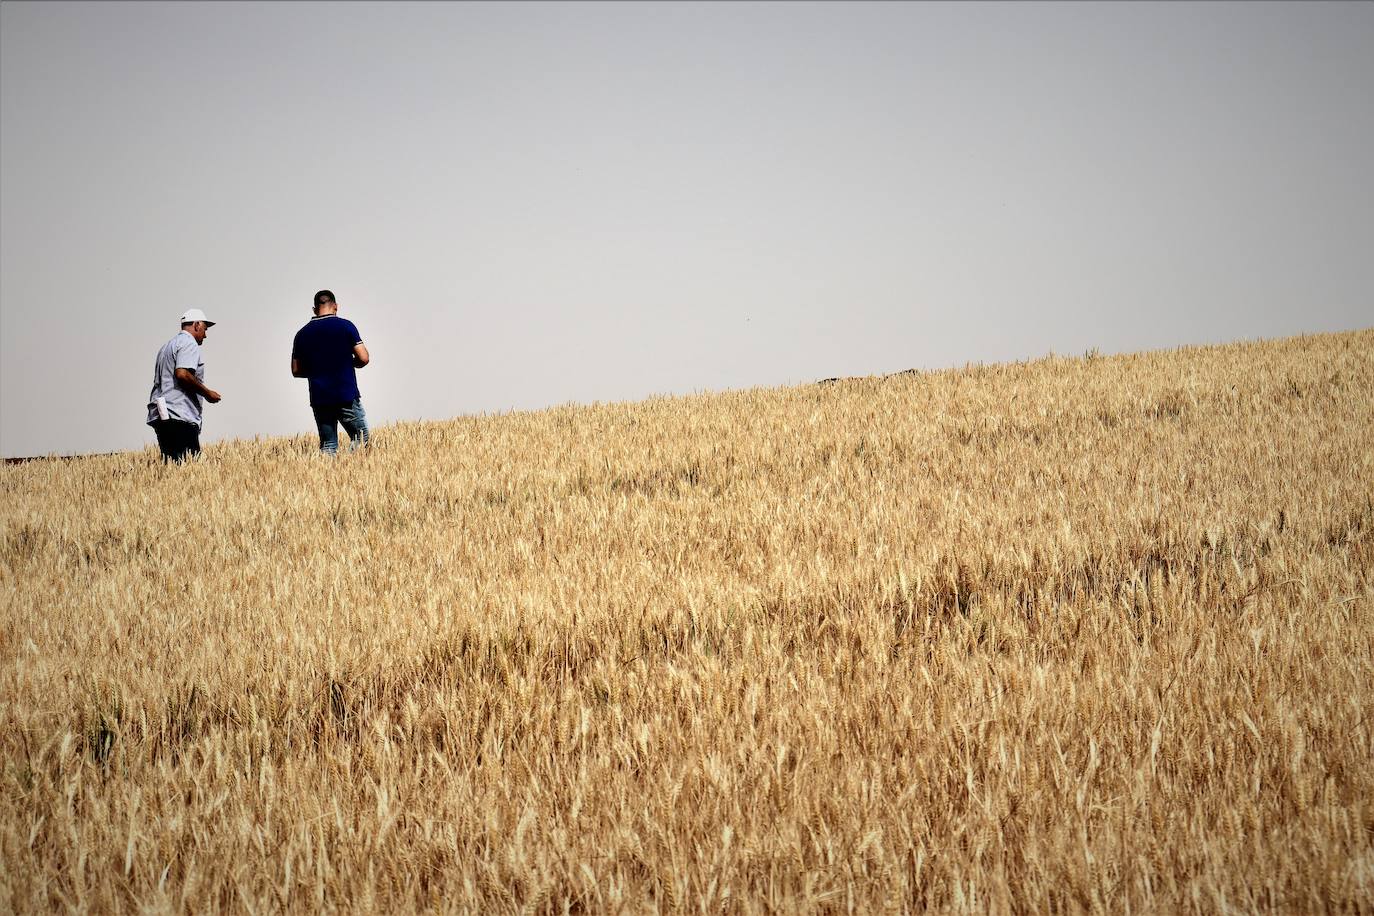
(1071, 634)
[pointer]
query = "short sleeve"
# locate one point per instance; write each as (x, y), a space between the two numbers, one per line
(188, 354)
(353, 330)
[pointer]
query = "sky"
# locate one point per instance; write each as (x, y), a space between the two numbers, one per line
(524, 205)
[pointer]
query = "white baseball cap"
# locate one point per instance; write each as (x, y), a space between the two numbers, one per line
(196, 315)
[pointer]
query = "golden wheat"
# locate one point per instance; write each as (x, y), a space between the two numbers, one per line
(1089, 634)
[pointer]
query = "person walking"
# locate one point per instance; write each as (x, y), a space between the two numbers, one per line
(327, 352)
(174, 404)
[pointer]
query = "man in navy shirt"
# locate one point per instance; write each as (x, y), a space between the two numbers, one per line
(327, 351)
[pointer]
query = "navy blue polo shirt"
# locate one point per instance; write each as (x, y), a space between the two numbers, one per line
(324, 351)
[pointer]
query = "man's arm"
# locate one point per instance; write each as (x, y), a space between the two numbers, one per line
(296, 369)
(360, 355)
(187, 379)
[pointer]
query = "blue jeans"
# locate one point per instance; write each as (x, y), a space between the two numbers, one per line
(354, 423)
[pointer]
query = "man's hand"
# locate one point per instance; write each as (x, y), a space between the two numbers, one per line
(187, 379)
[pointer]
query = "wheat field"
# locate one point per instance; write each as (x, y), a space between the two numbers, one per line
(1077, 634)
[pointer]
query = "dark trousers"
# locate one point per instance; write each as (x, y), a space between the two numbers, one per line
(178, 439)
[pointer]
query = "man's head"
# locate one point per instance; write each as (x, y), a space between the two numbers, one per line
(194, 322)
(324, 303)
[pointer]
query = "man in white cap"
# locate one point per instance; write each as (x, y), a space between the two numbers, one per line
(178, 386)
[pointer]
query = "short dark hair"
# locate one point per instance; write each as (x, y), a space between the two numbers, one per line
(323, 296)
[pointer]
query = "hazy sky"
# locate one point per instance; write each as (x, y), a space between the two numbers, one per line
(523, 205)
